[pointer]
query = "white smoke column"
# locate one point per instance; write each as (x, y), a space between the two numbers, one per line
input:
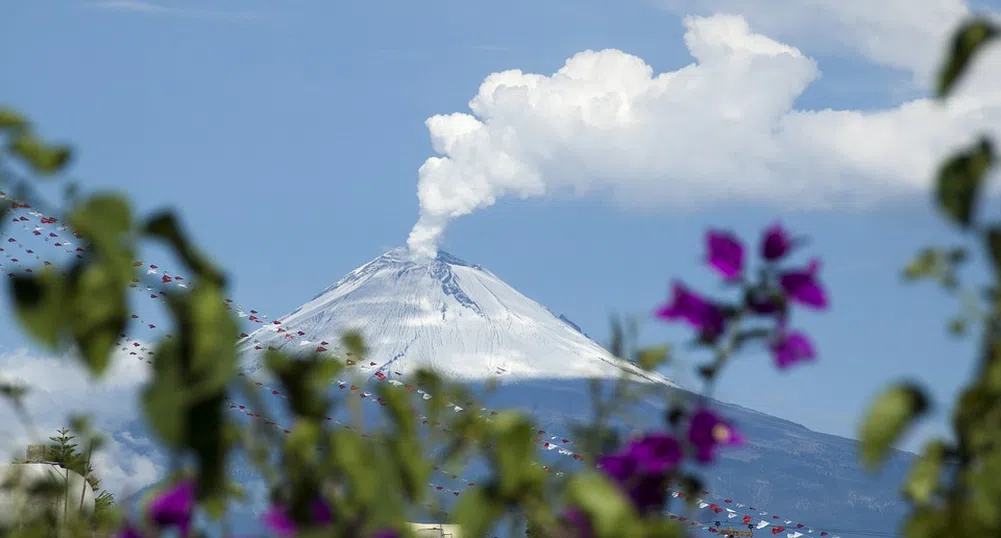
(721, 129)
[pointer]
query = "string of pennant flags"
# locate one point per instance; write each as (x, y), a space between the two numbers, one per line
(715, 503)
(15, 252)
(796, 530)
(60, 236)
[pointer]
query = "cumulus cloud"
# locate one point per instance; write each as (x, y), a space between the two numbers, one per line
(722, 129)
(891, 33)
(60, 388)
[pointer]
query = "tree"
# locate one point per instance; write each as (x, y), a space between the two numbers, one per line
(63, 451)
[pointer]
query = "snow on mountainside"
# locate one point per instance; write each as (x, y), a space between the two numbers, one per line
(446, 314)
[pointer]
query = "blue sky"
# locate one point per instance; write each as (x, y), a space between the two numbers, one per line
(290, 137)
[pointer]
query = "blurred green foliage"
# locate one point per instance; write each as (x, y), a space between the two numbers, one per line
(372, 479)
(955, 484)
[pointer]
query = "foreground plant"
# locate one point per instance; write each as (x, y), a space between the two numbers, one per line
(343, 482)
(954, 486)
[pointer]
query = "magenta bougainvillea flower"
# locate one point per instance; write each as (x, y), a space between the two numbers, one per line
(578, 523)
(656, 453)
(641, 469)
(648, 492)
(725, 254)
(278, 520)
(620, 467)
(320, 512)
(128, 532)
(707, 431)
(803, 286)
(698, 312)
(776, 243)
(173, 507)
(790, 348)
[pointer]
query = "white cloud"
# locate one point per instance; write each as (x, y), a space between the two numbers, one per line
(141, 6)
(893, 33)
(131, 5)
(723, 129)
(59, 388)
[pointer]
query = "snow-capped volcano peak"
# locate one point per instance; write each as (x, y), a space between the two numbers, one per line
(444, 313)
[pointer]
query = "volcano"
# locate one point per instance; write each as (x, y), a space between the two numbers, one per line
(442, 313)
(464, 322)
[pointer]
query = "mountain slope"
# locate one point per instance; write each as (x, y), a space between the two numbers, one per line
(469, 325)
(784, 468)
(446, 314)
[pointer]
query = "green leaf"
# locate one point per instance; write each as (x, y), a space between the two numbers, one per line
(653, 357)
(960, 180)
(617, 345)
(13, 392)
(303, 382)
(966, 43)
(12, 120)
(100, 311)
(206, 435)
(984, 505)
(692, 487)
(43, 158)
(929, 522)
(105, 220)
(39, 303)
(662, 528)
(411, 466)
(477, 511)
(398, 408)
(612, 515)
(958, 326)
(513, 453)
(993, 239)
(928, 263)
(166, 227)
(351, 456)
(889, 417)
(354, 343)
(925, 473)
(974, 404)
(213, 333)
(405, 447)
(166, 398)
(302, 442)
